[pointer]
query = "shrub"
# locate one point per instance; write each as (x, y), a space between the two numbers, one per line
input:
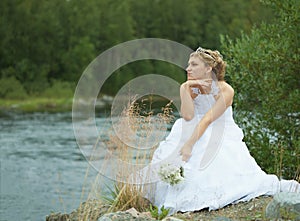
(59, 89)
(263, 68)
(11, 88)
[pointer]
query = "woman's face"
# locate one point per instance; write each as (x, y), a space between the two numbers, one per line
(196, 69)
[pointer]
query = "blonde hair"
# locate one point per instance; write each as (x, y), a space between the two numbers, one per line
(214, 59)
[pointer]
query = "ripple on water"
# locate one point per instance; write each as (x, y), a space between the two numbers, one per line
(42, 168)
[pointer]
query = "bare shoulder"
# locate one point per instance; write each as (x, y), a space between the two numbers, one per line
(226, 92)
(226, 88)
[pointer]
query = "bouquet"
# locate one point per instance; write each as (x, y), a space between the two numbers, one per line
(171, 174)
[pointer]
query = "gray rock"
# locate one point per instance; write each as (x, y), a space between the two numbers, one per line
(104, 218)
(287, 203)
(222, 218)
(91, 209)
(124, 216)
(171, 219)
(116, 216)
(58, 217)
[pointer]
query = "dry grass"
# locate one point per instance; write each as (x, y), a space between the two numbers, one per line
(131, 146)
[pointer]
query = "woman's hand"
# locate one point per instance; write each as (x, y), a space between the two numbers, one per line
(204, 85)
(186, 151)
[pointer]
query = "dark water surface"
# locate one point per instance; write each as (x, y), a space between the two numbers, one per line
(42, 168)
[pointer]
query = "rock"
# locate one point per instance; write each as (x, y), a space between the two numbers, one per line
(284, 203)
(145, 215)
(124, 216)
(133, 212)
(57, 217)
(105, 218)
(171, 219)
(92, 209)
(222, 218)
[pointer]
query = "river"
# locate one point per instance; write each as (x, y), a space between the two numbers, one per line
(42, 168)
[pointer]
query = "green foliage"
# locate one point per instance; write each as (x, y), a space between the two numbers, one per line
(138, 68)
(158, 213)
(124, 196)
(11, 88)
(42, 41)
(112, 196)
(59, 89)
(263, 69)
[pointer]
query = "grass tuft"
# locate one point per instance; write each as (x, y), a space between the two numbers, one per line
(132, 133)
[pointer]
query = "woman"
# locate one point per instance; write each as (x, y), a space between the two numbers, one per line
(218, 167)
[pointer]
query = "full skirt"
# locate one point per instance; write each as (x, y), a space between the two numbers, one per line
(230, 175)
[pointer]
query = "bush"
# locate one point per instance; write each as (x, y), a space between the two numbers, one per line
(59, 89)
(11, 88)
(263, 69)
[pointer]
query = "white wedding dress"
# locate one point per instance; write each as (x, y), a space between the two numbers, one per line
(220, 171)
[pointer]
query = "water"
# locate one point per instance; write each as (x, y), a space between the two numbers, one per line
(42, 168)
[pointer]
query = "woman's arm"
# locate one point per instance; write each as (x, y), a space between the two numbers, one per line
(187, 104)
(223, 101)
(187, 96)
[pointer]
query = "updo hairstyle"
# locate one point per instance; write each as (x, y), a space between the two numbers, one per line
(214, 59)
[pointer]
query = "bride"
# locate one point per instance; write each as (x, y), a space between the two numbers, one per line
(218, 168)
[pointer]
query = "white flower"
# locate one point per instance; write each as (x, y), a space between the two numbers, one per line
(171, 174)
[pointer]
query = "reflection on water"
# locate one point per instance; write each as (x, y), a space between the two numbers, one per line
(42, 168)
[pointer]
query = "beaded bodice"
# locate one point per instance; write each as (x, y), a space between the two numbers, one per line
(204, 102)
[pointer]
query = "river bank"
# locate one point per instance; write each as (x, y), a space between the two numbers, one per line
(37, 105)
(45, 104)
(252, 210)
(281, 206)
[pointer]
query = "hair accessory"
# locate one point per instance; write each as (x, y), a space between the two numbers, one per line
(201, 50)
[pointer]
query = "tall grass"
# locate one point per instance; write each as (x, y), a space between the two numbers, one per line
(131, 144)
(286, 160)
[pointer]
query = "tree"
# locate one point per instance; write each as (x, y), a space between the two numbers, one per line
(49, 41)
(264, 70)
